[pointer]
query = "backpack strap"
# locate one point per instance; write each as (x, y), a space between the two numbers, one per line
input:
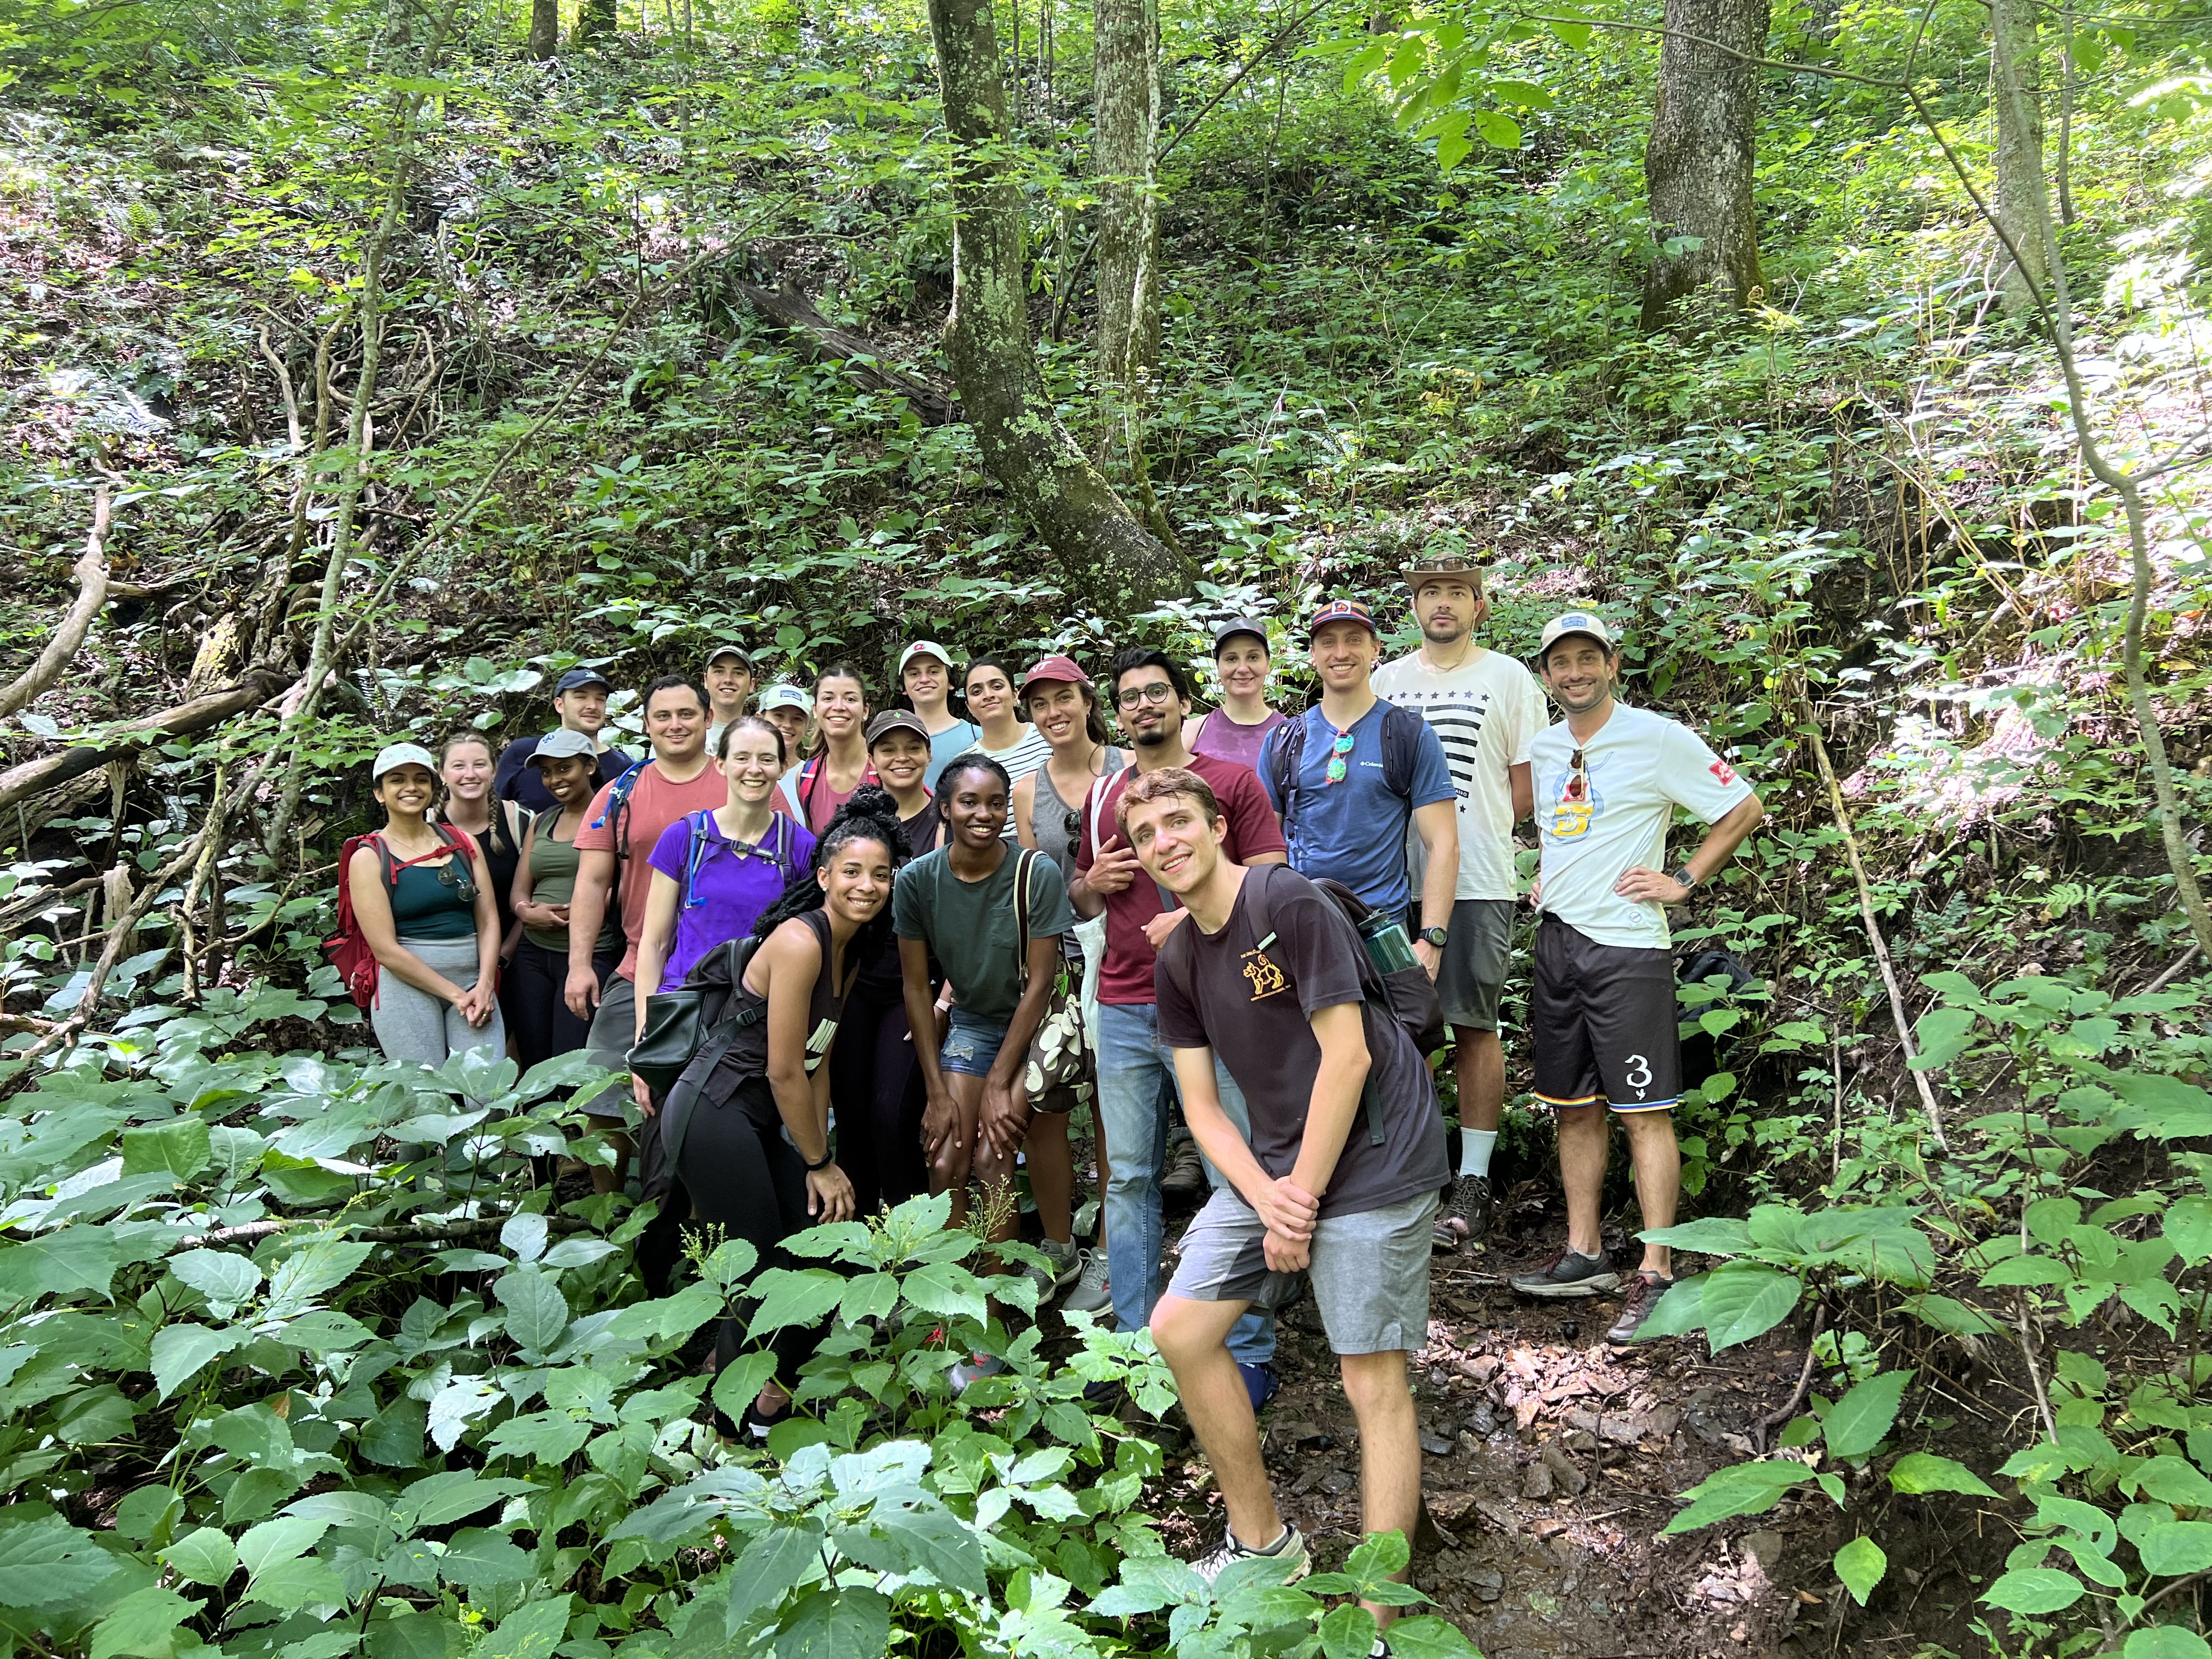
(618, 794)
(1402, 748)
(697, 843)
(1023, 865)
(1287, 747)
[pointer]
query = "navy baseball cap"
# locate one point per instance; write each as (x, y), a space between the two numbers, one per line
(577, 678)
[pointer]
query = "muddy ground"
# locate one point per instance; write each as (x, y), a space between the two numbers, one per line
(1553, 1463)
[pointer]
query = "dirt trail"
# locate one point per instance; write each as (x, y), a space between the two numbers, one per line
(1552, 1463)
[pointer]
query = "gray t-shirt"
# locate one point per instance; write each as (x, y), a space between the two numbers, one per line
(1250, 998)
(970, 925)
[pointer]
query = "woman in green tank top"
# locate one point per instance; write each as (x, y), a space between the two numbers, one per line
(421, 896)
(544, 879)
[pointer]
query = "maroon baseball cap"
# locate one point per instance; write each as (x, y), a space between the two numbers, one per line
(1054, 670)
(1337, 610)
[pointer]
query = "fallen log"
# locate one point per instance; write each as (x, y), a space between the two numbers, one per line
(91, 594)
(863, 359)
(34, 777)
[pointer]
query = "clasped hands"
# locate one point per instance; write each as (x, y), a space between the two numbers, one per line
(1289, 1212)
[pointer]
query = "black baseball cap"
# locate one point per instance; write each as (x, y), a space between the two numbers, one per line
(577, 678)
(1229, 630)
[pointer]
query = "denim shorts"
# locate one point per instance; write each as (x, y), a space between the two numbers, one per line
(972, 1043)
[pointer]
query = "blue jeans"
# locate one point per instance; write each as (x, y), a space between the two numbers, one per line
(1133, 1065)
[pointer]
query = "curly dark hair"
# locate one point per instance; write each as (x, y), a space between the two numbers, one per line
(870, 815)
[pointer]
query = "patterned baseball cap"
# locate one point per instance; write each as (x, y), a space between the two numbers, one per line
(1338, 611)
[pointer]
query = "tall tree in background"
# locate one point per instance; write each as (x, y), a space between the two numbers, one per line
(1704, 141)
(2016, 56)
(597, 20)
(544, 28)
(1126, 86)
(988, 341)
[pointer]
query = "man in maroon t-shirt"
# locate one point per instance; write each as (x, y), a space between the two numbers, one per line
(1152, 695)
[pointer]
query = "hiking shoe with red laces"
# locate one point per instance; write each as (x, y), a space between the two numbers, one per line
(1563, 1274)
(1645, 1290)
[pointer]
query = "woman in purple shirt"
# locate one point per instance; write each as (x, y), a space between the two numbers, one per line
(715, 872)
(1236, 731)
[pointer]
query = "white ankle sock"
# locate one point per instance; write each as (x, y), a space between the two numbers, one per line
(1475, 1149)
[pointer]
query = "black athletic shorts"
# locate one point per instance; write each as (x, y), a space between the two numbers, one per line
(1603, 1022)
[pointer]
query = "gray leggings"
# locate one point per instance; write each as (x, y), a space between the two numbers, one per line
(415, 1025)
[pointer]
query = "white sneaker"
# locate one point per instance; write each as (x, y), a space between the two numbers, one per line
(1291, 1546)
(1092, 1294)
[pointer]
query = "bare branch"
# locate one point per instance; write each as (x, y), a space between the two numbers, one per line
(91, 594)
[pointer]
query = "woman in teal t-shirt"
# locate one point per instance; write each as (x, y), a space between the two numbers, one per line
(422, 899)
(959, 902)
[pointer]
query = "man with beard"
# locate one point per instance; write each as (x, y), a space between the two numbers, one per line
(1485, 709)
(1152, 695)
(1607, 780)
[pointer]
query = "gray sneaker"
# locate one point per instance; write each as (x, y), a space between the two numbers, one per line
(1091, 1294)
(1291, 1546)
(1567, 1274)
(1067, 1259)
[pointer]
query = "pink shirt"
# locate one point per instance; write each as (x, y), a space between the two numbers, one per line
(1224, 739)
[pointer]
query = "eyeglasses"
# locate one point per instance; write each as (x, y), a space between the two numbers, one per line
(1155, 691)
(1577, 779)
(1338, 765)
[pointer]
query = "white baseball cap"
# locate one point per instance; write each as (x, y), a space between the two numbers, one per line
(402, 754)
(786, 696)
(924, 648)
(1574, 622)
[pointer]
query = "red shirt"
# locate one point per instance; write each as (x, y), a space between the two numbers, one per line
(655, 804)
(1126, 978)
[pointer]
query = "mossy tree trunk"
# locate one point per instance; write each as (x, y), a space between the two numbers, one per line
(1101, 548)
(1705, 141)
(2015, 47)
(1126, 88)
(544, 28)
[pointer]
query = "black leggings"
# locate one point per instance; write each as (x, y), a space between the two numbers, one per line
(748, 1179)
(530, 997)
(876, 1083)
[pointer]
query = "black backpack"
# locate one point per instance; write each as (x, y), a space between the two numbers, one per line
(1402, 748)
(1404, 998)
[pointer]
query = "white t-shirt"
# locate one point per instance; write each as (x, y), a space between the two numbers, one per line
(1485, 712)
(1023, 755)
(1637, 769)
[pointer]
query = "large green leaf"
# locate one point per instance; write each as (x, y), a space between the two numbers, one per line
(1739, 1489)
(180, 1149)
(947, 1290)
(794, 1296)
(439, 1499)
(911, 1540)
(2170, 1549)
(2173, 1478)
(204, 1556)
(1923, 1472)
(2165, 1642)
(1348, 1631)
(480, 1559)
(180, 1352)
(2034, 1590)
(324, 1265)
(531, 1631)
(537, 1312)
(1856, 1423)
(77, 1258)
(846, 1623)
(46, 1562)
(776, 1562)
(1743, 1300)
(144, 1625)
(223, 1277)
(1860, 1565)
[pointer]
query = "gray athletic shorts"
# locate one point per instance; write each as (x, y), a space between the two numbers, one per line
(1474, 969)
(614, 1030)
(1370, 1272)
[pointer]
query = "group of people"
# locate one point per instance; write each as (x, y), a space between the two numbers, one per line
(921, 882)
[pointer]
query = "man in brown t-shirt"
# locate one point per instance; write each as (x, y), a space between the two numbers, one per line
(620, 826)
(1339, 1181)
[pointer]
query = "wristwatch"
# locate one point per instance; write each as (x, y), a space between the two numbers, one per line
(1684, 878)
(1434, 936)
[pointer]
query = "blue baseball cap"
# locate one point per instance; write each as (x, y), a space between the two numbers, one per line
(577, 678)
(1338, 611)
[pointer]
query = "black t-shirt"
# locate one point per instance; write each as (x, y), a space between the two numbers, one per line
(518, 781)
(1250, 1000)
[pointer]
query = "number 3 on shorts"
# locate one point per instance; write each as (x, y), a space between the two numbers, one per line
(1640, 1072)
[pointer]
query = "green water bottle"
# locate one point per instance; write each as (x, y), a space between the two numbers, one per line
(1388, 946)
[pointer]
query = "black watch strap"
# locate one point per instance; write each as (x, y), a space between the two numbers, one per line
(828, 1158)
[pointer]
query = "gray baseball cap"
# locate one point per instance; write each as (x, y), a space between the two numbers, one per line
(561, 745)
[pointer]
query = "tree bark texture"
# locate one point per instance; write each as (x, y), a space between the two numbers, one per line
(544, 28)
(597, 19)
(1101, 548)
(1126, 86)
(1697, 163)
(2016, 94)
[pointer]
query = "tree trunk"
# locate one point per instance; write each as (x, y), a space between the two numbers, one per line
(597, 19)
(1101, 550)
(1126, 82)
(544, 28)
(2016, 94)
(1697, 163)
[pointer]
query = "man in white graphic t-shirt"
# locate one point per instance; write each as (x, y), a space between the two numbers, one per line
(1602, 1008)
(1486, 709)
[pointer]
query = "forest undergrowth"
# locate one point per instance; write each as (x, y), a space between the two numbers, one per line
(395, 372)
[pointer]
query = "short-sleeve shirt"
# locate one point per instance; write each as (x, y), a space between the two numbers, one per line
(655, 804)
(1614, 815)
(969, 925)
(1251, 998)
(732, 882)
(1485, 712)
(957, 738)
(1354, 831)
(1124, 978)
(516, 779)
(1219, 735)
(1026, 754)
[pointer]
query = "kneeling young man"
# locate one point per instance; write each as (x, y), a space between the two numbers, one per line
(1341, 1178)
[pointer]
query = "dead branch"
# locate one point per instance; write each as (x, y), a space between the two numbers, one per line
(422, 1232)
(34, 777)
(91, 594)
(864, 360)
(1874, 938)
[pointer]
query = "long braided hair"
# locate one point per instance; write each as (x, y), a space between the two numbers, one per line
(870, 815)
